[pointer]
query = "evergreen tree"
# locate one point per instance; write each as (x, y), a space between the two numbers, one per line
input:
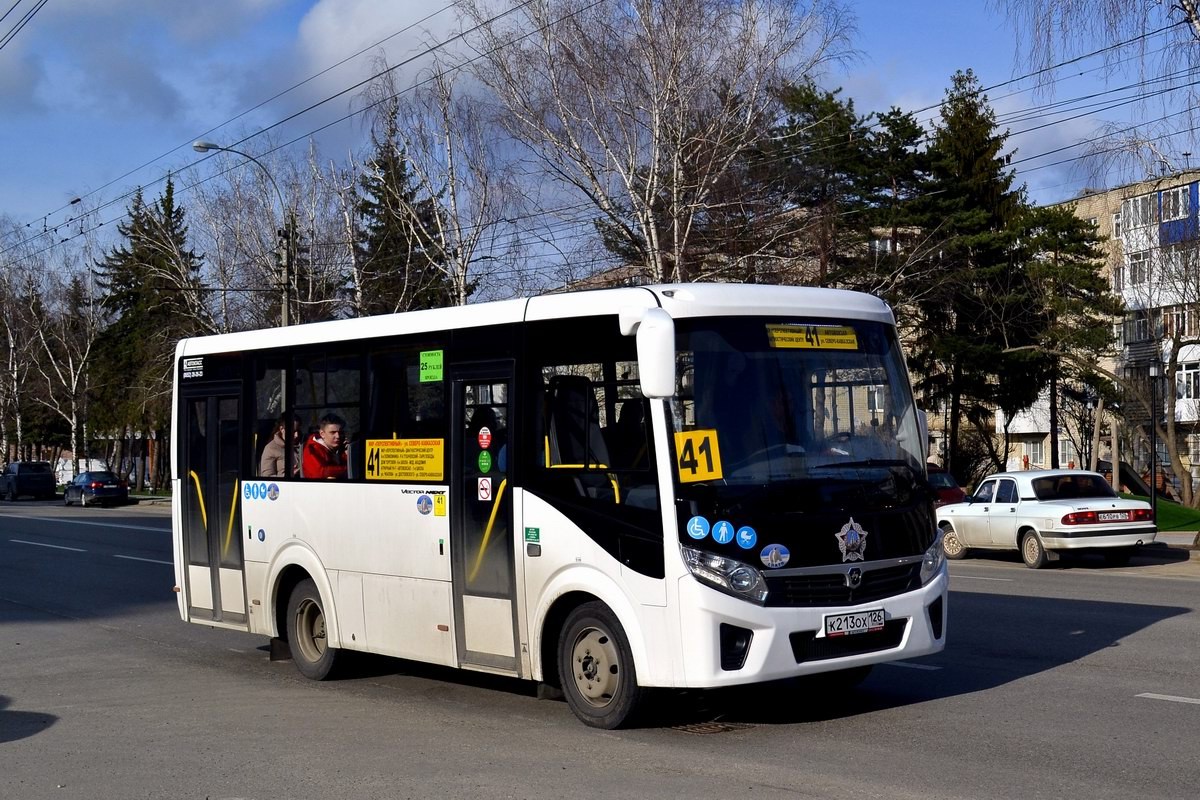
(151, 294)
(399, 263)
(963, 337)
(1073, 305)
(820, 160)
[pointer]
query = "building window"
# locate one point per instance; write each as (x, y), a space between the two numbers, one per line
(1118, 279)
(1067, 453)
(1175, 203)
(1187, 381)
(1094, 222)
(1137, 327)
(1035, 452)
(1175, 321)
(1138, 270)
(1138, 211)
(1116, 226)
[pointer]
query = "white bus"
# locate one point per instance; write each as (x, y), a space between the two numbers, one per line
(604, 491)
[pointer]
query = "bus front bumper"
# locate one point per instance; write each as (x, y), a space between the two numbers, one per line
(728, 641)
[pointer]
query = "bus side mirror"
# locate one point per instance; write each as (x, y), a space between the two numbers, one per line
(655, 333)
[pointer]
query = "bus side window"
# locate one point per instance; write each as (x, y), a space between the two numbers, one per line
(575, 440)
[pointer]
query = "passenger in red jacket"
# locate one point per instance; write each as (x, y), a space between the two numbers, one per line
(323, 453)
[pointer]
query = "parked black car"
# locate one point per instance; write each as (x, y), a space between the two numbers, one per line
(33, 478)
(96, 488)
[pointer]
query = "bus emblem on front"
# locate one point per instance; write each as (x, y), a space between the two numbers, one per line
(852, 541)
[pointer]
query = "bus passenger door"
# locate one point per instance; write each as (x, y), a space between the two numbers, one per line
(481, 527)
(210, 455)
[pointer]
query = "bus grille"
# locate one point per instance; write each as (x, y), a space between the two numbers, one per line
(807, 647)
(830, 589)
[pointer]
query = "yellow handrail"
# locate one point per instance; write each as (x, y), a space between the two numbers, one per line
(229, 528)
(487, 534)
(200, 495)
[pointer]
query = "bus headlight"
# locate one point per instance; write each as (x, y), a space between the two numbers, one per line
(935, 556)
(726, 575)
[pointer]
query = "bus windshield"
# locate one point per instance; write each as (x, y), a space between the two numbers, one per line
(791, 399)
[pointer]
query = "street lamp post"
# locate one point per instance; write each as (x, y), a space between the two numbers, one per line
(201, 146)
(1154, 371)
(1089, 427)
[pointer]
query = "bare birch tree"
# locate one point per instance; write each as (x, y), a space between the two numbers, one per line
(642, 107)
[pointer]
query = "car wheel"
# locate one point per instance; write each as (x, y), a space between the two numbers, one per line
(12, 495)
(66, 498)
(596, 669)
(1032, 552)
(307, 633)
(83, 499)
(951, 544)
(1118, 556)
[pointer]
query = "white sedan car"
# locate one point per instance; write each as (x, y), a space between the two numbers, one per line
(1042, 512)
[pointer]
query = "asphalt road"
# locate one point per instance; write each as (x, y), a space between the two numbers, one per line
(1074, 682)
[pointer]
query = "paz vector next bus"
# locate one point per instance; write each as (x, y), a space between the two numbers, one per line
(604, 491)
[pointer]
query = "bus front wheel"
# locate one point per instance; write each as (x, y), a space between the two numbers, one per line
(595, 666)
(306, 632)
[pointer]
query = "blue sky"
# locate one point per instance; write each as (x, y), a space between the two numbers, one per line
(92, 90)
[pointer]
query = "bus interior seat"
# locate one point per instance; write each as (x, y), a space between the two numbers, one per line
(574, 433)
(628, 443)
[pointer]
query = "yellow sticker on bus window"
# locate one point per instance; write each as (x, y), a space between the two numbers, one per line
(406, 459)
(812, 337)
(699, 457)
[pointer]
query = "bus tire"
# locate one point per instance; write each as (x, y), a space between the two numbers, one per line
(306, 632)
(596, 668)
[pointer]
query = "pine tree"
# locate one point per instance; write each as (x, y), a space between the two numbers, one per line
(963, 342)
(151, 294)
(400, 266)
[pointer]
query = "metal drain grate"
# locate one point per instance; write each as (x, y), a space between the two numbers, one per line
(700, 728)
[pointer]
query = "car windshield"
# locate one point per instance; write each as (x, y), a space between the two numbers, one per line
(1071, 487)
(942, 480)
(766, 400)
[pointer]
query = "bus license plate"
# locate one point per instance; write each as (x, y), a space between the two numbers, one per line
(857, 622)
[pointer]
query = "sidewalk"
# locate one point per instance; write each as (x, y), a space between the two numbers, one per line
(1184, 539)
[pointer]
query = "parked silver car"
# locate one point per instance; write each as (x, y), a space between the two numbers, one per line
(1043, 512)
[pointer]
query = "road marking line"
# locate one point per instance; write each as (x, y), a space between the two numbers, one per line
(147, 560)
(977, 578)
(43, 544)
(85, 522)
(1171, 697)
(906, 665)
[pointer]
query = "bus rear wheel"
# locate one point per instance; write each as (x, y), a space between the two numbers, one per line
(306, 632)
(595, 666)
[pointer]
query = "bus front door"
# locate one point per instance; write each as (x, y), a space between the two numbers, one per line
(211, 508)
(481, 528)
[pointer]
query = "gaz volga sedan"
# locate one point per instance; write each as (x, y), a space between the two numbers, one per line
(1042, 512)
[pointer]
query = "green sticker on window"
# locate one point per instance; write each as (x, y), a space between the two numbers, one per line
(533, 534)
(431, 366)
(485, 462)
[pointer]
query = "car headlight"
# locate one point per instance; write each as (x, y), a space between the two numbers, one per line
(931, 562)
(726, 575)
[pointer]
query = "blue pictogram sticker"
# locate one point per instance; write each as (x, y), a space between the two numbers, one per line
(246, 490)
(697, 527)
(273, 491)
(747, 537)
(774, 556)
(262, 535)
(424, 504)
(723, 532)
